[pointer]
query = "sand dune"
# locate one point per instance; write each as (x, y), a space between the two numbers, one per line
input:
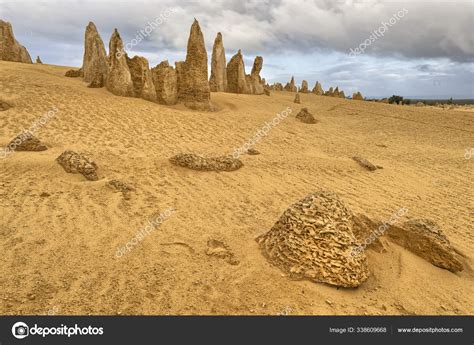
(59, 233)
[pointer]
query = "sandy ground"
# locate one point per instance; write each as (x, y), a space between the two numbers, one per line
(59, 251)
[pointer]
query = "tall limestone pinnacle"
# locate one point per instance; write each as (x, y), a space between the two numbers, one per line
(256, 83)
(218, 80)
(94, 65)
(142, 80)
(291, 85)
(318, 89)
(10, 49)
(194, 85)
(236, 79)
(119, 79)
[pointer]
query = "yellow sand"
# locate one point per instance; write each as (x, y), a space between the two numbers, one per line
(59, 251)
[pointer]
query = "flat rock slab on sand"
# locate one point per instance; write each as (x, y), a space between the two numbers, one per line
(424, 238)
(313, 239)
(75, 163)
(200, 162)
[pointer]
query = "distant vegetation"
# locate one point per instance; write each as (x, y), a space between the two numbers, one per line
(396, 99)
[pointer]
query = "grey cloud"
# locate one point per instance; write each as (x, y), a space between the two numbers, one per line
(302, 29)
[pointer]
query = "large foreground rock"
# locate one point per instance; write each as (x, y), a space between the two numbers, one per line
(94, 64)
(143, 86)
(77, 163)
(313, 239)
(200, 162)
(236, 79)
(10, 49)
(165, 80)
(119, 79)
(424, 238)
(218, 80)
(194, 89)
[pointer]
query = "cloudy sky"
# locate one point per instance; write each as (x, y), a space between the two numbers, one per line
(426, 50)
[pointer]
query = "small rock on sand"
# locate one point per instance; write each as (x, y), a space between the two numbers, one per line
(364, 163)
(75, 163)
(200, 162)
(26, 141)
(305, 116)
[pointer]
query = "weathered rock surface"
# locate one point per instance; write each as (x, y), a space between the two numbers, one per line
(26, 141)
(218, 80)
(304, 87)
(119, 79)
(366, 229)
(318, 89)
(143, 86)
(75, 163)
(291, 86)
(165, 80)
(10, 49)
(313, 239)
(180, 76)
(305, 116)
(200, 162)
(236, 79)
(424, 238)
(194, 90)
(357, 96)
(94, 63)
